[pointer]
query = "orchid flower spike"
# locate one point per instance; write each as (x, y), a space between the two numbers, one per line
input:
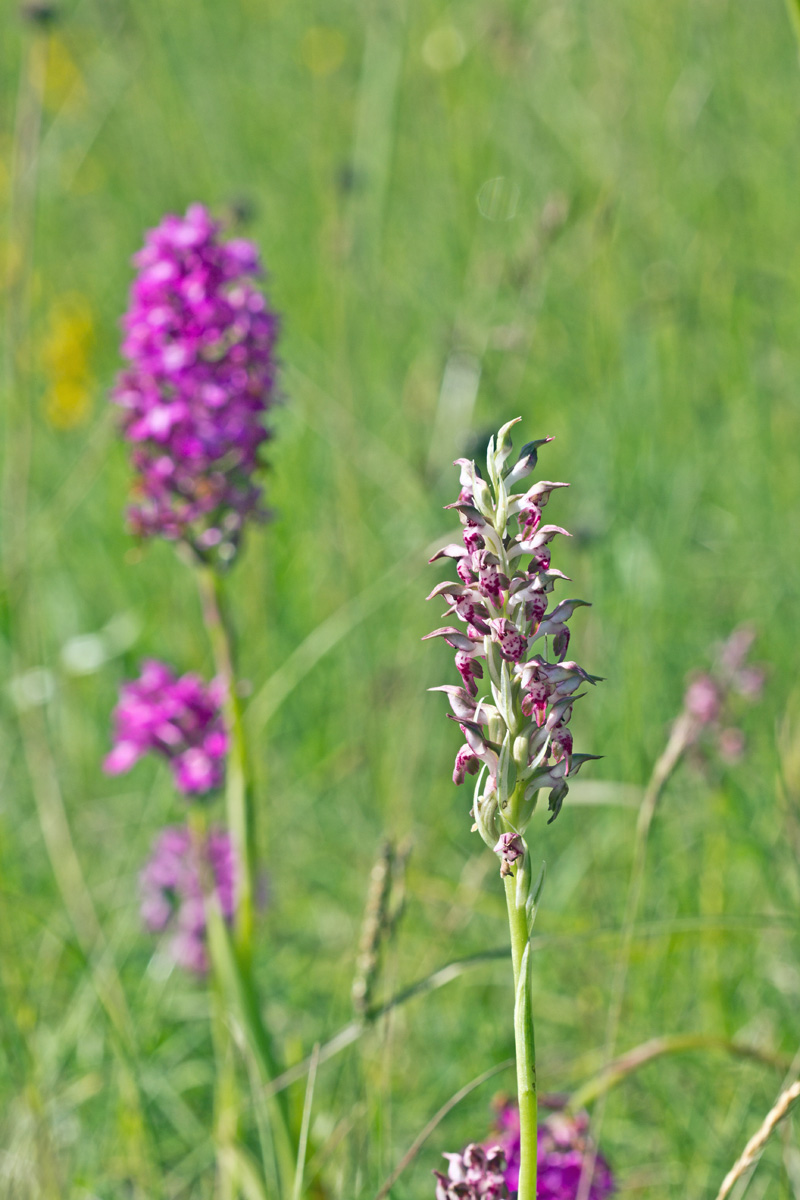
(517, 739)
(171, 885)
(177, 718)
(563, 1147)
(200, 380)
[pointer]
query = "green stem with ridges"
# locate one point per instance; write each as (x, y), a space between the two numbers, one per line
(238, 789)
(516, 900)
(241, 1002)
(226, 1099)
(232, 953)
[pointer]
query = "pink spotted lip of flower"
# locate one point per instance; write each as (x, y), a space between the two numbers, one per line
(475, 1174)
(516, 738)
(177, 718)
(200, 341)
(172, 892)
(563, 1147)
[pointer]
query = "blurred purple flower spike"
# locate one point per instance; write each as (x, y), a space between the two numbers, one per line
(709, 694)
(703, 700)
(563, 1146)
(177, 718)
(200, 340)
(171, 886)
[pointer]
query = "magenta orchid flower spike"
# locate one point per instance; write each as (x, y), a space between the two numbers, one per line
(516, 698)
(179, 719)
(563, 1148)
(200, 343)
(195, 398)
(172, 890)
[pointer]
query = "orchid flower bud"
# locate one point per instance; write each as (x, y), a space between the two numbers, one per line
(500, 447)
(509, 848)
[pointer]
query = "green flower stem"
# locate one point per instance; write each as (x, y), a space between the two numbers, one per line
(238, 790)
(232, 955)
(241, 1003)
(226, 1098)
(516, 899)
(227, 1106)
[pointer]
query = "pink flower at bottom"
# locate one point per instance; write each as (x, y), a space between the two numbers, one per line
(171, 886)
(563, 1147)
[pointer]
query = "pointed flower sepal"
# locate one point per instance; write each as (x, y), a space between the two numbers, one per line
(557, 778)
(449, 551)
(528, 458)
(483, 751)
(537, 496)
(465, 706)
(555, 625)
(456, 639)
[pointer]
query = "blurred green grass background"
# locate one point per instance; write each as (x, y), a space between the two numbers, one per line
(584, 215)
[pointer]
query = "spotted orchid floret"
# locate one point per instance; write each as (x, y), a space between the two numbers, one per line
(509, 848)
(177, 718)
(199, 340)
(515, 634)
(172, 890)
(475, 1174)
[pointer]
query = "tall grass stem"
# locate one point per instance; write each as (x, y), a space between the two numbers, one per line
(752, 1151)
(677, 745)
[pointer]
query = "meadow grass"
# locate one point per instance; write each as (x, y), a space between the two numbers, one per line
(583, 215)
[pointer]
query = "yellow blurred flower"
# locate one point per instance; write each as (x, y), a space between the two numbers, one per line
(65, 86)
(323, 49)
(65, 361)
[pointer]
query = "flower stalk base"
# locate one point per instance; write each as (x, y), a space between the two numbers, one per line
(517, 900)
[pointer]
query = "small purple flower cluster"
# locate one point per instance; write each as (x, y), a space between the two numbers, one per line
(200, 342)
(522, 741)
(706, 702)
(475, 1174)
(173, 893)
(178, 718)
(563, 1148)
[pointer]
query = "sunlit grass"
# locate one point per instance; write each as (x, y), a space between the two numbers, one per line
(578, 214)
